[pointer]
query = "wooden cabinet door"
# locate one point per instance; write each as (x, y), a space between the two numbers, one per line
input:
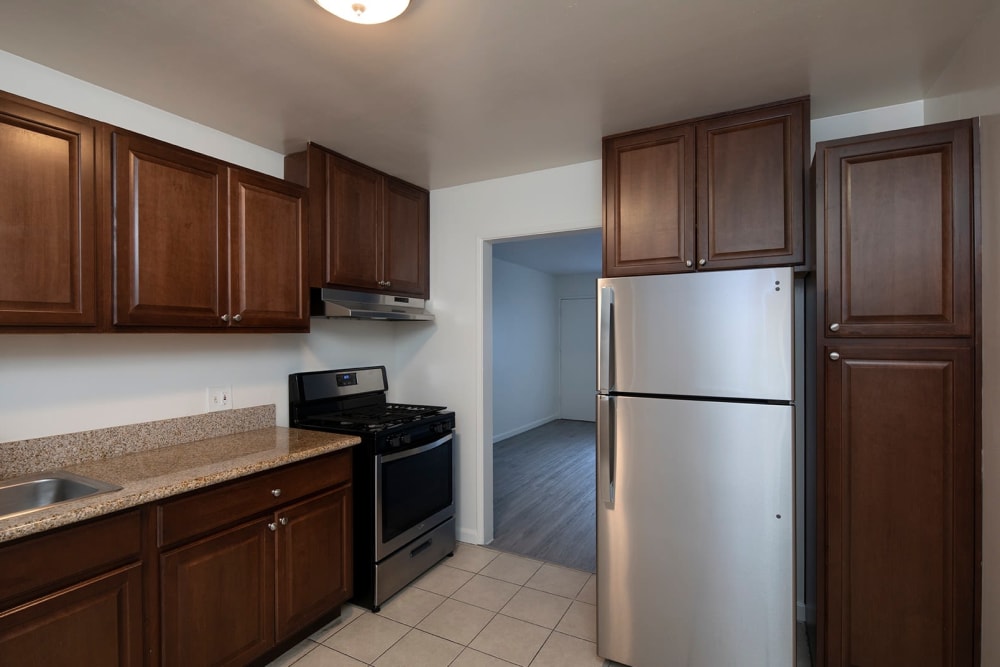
(97, 623)
(171, 265)
(267, 253)
(48, 245)
(649, 202)
(313, 559)
(217, 598)
(406, 244)
(898, 233)
(352, 224)
(750, 187)
(898, 492)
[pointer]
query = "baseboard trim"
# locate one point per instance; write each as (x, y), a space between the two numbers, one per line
(468, 536)
(521, 429)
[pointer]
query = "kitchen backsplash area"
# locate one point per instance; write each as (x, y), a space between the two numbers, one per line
(22, 457)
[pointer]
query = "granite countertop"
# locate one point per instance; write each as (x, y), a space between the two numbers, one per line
(151, 475)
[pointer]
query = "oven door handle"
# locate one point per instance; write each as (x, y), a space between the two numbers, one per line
(386, 458)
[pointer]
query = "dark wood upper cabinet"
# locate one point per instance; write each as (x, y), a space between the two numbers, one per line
(405, 239)
(172, 240)
(268, 252)
(898, 232)
(48, 217)
(201, 244)
(722, 192)
(352, 226)
(649, 199)
(368, 231)
(900, 502)
(751, 180)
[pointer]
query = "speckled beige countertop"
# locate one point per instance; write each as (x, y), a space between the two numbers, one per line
(151, 475)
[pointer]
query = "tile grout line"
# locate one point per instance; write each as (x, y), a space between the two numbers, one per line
(519, 588)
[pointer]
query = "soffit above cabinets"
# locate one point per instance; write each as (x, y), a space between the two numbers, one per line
(453, 91)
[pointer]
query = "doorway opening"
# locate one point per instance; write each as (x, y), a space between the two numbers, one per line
(544, 365)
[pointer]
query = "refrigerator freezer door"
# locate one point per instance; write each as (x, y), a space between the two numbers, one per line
(695, 554)
(717, 334)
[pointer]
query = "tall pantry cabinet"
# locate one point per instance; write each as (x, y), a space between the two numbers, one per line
(899, 442)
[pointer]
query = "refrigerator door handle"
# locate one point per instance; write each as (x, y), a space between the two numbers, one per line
(605, 318)
(606, 450)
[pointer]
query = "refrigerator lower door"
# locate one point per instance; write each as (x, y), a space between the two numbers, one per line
(695, 549)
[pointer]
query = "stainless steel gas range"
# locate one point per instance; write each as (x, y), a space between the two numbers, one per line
(403, 474)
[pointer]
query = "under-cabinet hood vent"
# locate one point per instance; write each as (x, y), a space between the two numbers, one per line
(335, 303)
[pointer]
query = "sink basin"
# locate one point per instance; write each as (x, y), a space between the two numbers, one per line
(43, 490)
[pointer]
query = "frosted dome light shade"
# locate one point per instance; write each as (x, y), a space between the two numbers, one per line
(365, 11)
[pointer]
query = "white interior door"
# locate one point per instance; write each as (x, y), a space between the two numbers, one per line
(577, 358)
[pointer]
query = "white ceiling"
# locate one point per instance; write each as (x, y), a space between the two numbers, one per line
(456, 91)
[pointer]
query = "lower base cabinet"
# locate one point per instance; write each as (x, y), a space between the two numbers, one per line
(313, 570)
(217, 598)
(900, 505)
(228, 593)
(217, 577)
(73, 596)
(97, 623)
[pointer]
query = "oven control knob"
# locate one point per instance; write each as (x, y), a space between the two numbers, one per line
(394, 441)
(406, 438)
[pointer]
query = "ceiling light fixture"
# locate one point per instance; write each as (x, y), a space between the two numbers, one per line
(367, 12)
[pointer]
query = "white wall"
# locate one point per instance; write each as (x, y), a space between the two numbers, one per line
(577, 308)
(42, 84)
(525, 361)
(62, 383)
(577, 285)
(869, 121)
(970, 86)
(454, 366)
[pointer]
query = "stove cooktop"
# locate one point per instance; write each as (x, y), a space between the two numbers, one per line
(373, 418)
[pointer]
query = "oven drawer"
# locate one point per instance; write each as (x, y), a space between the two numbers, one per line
(399, 569)
(230, 502)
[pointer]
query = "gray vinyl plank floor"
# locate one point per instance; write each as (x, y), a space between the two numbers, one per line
(543, 494)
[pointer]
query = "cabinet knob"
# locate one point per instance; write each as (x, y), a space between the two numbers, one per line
(283, 521)
(702, 262)
(275, 492)
(272, 526)
(834, 356)
(237, 318)
(835, 327)
(225, 317)
(689, 263)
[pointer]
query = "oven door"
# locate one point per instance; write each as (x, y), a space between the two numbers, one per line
(413, 494)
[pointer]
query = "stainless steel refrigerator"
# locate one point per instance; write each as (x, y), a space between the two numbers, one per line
(695, 498)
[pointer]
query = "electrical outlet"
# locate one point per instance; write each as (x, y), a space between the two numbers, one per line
(220, 398)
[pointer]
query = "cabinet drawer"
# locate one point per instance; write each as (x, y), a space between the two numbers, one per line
(37, 565)
(225, 504)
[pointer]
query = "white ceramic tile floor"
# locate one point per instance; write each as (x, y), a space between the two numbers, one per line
(470, 611)
(480, 608)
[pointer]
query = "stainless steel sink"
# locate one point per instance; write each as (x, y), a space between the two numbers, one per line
(43, 490)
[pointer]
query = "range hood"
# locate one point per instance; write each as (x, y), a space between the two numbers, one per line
(336, 303)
